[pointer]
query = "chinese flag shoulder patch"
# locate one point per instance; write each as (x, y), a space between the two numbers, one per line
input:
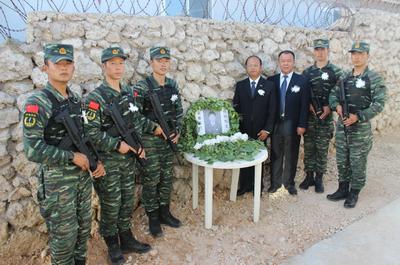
(32, 108)
(94, 105)
(135, 93)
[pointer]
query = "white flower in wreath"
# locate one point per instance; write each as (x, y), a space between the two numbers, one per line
(360, 83)
(295, 89)
(197, 146)
(133, 108)
(261, 92)
(325, 76)
(174, 97)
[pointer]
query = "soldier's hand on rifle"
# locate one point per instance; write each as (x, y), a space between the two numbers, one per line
(159, 132)
(339, 111)
(175, 137)
(124, 148)
(81, 161)
(141, 152)
(353, 118)
(100, 171)
(327, 111)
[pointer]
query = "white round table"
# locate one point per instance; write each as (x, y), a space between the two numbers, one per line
(208, 182)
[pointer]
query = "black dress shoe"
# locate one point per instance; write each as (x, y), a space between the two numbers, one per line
(272, 189)
(242, 191)
(292, 190)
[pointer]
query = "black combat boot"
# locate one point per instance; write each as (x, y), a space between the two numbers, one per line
(114, 251)
(154, 223)
(167, 218)
(130, 244)
(341, 192)
(351, 199)
(80, 261)
(308, 181)
(319, 185)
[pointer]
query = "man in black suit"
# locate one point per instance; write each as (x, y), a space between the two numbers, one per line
(291, 123)
(255, 101)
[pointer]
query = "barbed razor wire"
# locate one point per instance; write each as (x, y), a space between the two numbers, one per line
(299, 13)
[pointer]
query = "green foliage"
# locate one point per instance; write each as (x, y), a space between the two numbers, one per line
(225, 151)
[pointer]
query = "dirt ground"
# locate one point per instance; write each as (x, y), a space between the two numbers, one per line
(288, 225)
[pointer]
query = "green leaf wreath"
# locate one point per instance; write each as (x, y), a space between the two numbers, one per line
(238, 149)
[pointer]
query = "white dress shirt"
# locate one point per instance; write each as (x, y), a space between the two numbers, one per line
(251, 80)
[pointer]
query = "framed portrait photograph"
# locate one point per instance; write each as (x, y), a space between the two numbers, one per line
(212, 122)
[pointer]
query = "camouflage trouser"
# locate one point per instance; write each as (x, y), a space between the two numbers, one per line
(316, 144)
(116, 191)
(64, 195)
(351, 158)
(157, 182)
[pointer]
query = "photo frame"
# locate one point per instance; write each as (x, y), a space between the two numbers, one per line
(212, 122)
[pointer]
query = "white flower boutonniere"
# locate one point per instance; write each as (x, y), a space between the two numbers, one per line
(325, 76)
(133, 108)
(174, 97)
(360, 83)
(261, 92)
(84, 117)
(295, 89)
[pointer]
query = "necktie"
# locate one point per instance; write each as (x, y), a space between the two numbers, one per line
(253, 88)
(283, 94)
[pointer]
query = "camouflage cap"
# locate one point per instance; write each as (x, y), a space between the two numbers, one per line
(159, 52)
(58, 52)
(321, 43)
(359, 46)
(112, 52)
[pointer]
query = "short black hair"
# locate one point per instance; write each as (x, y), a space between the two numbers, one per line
(287, 52)
(253, 56)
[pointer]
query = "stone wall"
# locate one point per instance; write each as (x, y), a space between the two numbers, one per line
(207, 60)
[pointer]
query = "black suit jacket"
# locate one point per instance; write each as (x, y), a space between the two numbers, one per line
(257, 113)
(296, 104)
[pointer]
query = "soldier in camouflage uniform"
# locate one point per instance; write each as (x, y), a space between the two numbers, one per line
(365, 94)
(322, 77)
(116, 189)
(65, 186)
(157, 183)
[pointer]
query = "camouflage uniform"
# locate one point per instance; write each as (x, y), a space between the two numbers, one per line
(116, 189)
(366, 101)
(157, 183)
(319, 132)
(365, 95)
(64, 190)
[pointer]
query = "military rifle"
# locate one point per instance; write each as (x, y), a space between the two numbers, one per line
(159, 115)
(83, 144)
(316, 104)
(345, 113)
(129, 135)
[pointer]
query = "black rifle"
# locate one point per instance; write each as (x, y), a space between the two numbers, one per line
(345, 114)
(343, 102)
(316, 104)
(159, 115)
(129, 135)
(84, 145)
